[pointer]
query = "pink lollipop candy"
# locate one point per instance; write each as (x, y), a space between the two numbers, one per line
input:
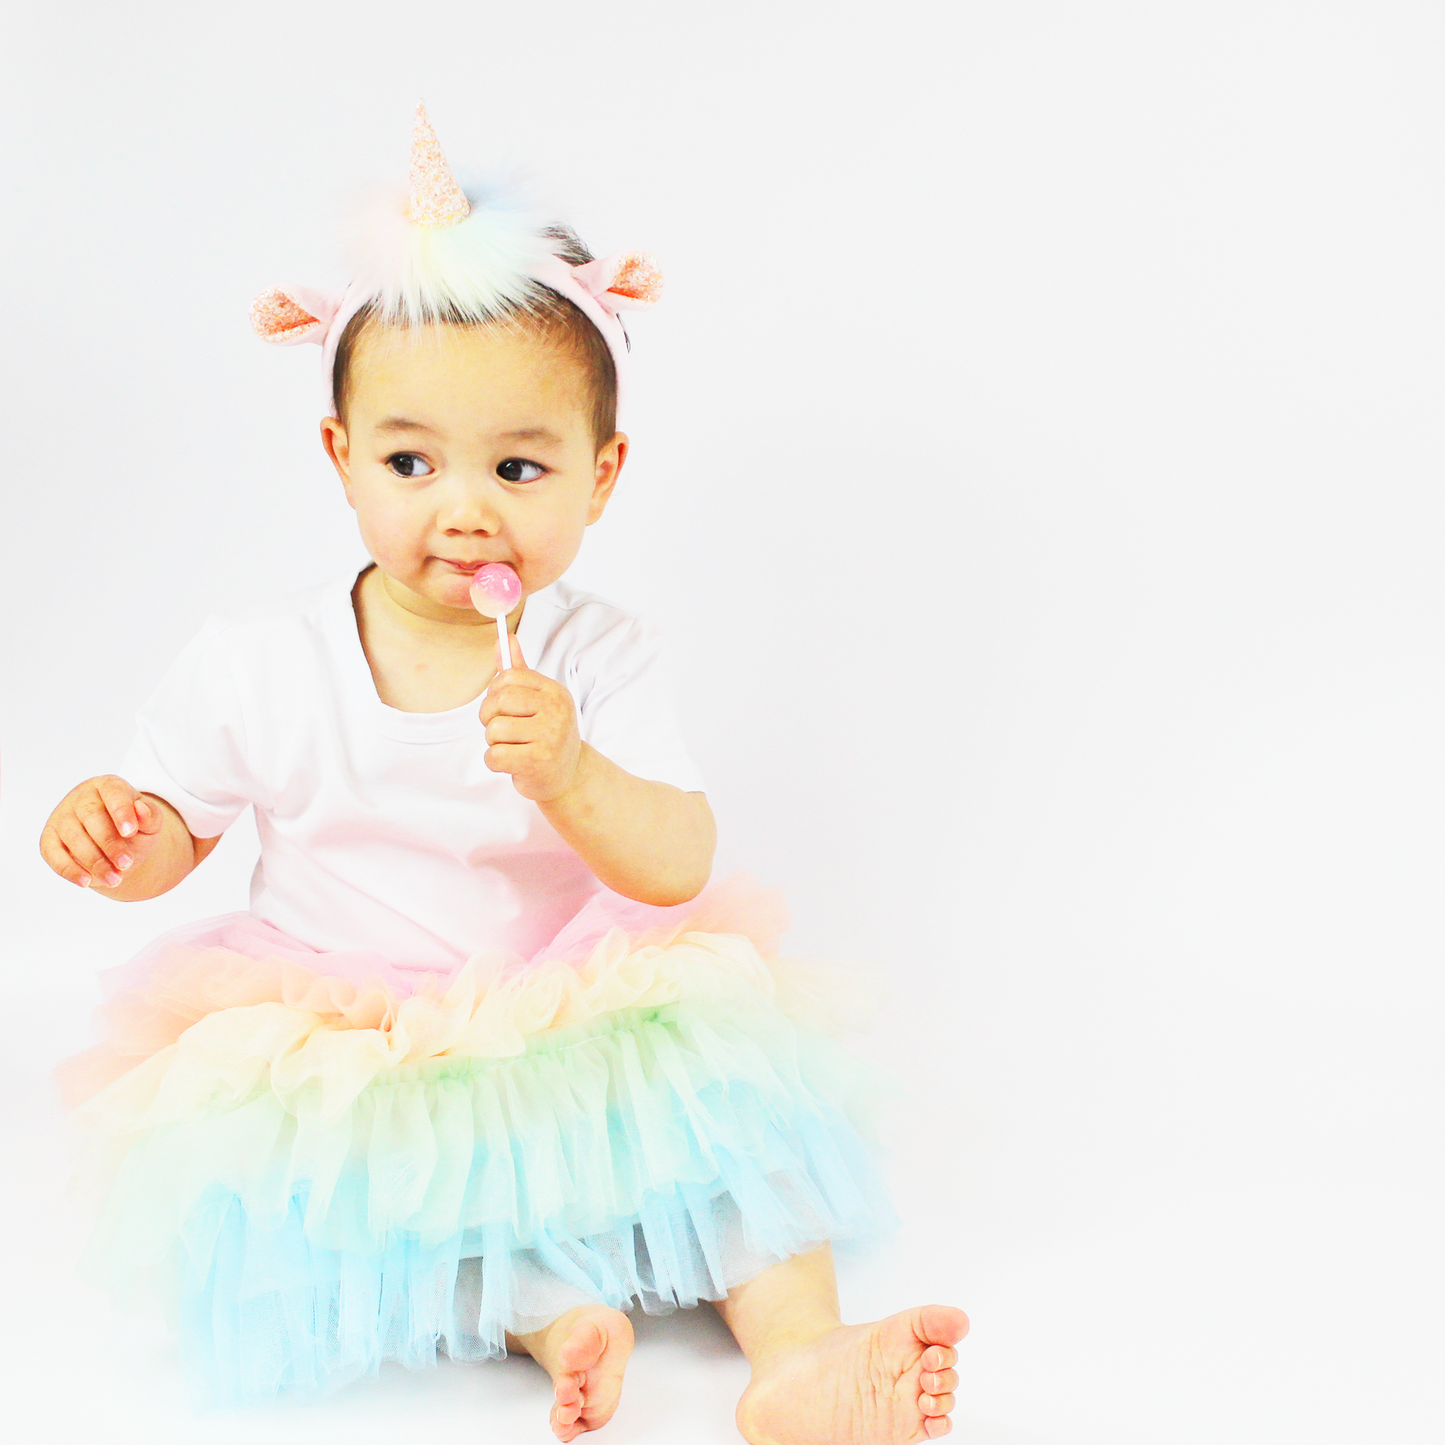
(496, 589)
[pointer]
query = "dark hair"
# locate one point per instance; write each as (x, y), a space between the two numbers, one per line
(546, 312)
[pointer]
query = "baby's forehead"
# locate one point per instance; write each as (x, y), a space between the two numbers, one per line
(492, 367)
(386, 348)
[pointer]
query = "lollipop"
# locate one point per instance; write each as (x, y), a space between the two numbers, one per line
(496, 589)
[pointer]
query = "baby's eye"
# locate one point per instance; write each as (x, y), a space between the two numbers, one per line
(408, 464)
(514, 469)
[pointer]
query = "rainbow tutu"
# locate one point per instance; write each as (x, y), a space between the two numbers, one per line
(319, 1161)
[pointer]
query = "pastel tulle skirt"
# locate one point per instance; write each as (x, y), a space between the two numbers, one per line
(321, 1160)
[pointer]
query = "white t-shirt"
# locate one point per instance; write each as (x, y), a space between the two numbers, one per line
(385, 829)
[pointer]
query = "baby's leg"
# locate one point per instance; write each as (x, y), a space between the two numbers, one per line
(585, 1351)
(817, 1381)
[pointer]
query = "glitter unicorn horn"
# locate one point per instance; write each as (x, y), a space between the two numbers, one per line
(436, 198)
(441, 252)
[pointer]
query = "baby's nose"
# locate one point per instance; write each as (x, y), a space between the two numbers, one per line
(468, 509)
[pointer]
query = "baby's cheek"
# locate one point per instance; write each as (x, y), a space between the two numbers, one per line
(547, 549)
(388, 531)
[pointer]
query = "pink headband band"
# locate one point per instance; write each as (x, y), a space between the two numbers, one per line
(624, 281)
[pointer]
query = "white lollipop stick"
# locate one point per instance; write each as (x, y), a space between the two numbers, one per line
(496, 590)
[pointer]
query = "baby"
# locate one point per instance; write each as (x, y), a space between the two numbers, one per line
(486, 1062)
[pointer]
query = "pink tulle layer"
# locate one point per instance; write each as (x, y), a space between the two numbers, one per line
(233, 986)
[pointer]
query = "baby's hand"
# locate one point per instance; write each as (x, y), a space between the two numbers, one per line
(531, 726)
(101, 828)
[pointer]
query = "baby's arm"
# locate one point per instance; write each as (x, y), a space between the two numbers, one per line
(646, 840)
(126, 845)
(649, 841)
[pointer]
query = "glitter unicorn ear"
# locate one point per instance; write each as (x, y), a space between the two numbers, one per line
(623, 281)
(289, 315)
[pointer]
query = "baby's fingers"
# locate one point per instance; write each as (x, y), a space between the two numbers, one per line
(89, 863)
(58, 857)
(120, 801)
(511, 698)
(94, 817)
(148, 817)
(506, 757)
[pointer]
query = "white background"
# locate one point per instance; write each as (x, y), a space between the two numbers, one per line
(1113, 333)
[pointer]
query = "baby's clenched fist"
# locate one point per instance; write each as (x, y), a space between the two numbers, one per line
(531, 724)
(101, 828)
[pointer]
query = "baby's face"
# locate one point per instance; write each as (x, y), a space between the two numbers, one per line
(465, 445)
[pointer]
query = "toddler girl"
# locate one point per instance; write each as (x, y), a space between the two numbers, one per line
(485, 1063)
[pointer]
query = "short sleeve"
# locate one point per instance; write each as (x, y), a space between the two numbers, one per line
(626, 708)
(190, 741)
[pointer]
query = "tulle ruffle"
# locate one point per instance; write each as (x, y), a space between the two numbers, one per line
(320, 1170)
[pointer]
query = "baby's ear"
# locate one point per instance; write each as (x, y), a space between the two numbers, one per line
(288, 315)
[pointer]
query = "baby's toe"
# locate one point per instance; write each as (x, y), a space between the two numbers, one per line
(584, 1347)
(568, 1407)
(939, 1357)
(935, 1404)
(938, 1382)
(937, 1425)
(566, 1428)
(941, 1325)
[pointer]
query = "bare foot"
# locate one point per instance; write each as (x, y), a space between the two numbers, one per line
(885, 1383)
(585, 1351)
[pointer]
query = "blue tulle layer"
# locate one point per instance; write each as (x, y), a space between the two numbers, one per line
(263, 1310)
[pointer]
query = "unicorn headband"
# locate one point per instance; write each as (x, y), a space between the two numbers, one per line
(444, 255)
